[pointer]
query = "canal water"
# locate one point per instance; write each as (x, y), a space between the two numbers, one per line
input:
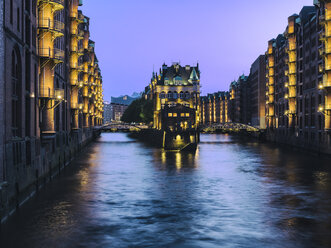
(230, 193)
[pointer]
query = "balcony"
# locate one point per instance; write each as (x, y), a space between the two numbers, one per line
(49, 53)
(54, 26)
(74, 82)
(46, 92)
(326, 81)
(85, 93)
(80, 17)
(74, 105)
(80, 34)
(81, 51)
(57, 4)
(292, 94)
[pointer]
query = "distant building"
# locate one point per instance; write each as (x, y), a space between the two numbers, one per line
(118, 105)
(107, 112)
(215, 108)
(240, 111)
(124, 100)
(117, 111)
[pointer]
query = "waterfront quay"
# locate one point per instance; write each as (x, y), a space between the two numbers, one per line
(232, 192)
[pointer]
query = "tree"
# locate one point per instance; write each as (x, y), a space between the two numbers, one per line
(139, 110)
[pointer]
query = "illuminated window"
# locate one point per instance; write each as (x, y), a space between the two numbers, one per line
(182, 114)
(174, 115)
(169, 114)
(187, 114)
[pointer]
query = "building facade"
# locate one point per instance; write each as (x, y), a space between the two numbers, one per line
(120, 104)
(175, 85)
(298, 90)
(240, 111)
(51, 92)
(117, 111)
(215, 108)
(257, 92)
(107, 114)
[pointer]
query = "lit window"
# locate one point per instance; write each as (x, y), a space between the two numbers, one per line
(187, 114)
(169, 114)
(175, 115)
(182, 114)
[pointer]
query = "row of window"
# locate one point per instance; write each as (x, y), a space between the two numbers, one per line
(181, 114)
(175, 95)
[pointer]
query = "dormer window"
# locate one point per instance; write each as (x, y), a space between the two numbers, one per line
(178, 80)
(166, 81)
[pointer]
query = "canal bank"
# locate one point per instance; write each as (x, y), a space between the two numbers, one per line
(54, 154)
(305, 142)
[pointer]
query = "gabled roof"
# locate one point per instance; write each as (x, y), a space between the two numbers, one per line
(186, 74)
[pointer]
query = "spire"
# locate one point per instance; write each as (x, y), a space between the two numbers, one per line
(194, 75)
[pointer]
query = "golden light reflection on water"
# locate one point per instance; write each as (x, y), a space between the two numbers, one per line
(321, 179)
(179, 160)
(84, 177)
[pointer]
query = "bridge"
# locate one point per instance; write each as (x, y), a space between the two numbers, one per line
(122, 127)
(228, 127)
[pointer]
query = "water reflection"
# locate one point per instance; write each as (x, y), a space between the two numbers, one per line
(231, 192)
(175, 160)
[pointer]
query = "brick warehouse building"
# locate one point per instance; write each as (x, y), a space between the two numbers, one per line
(293, 100)
(298, 87)
(51, 93)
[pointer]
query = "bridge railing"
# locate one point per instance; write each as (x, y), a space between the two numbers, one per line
(229, 126)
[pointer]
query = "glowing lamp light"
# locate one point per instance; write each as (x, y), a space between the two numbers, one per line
(286, 96)
(320, 86)
(59, 94)
(80, 106)
(320, 108)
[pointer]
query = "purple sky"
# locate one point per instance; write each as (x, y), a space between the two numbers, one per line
(225, 36)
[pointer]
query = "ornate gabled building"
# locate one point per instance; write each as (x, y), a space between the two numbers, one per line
(175, 93)
(176, 85)
(50, 91)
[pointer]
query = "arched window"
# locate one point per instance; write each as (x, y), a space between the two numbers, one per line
(181, 95)
(16, 88)
(175, 95)
(162, 95)
(187, 95)
(169, 94)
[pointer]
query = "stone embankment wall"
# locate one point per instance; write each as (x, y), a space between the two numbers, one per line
(24, 178)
